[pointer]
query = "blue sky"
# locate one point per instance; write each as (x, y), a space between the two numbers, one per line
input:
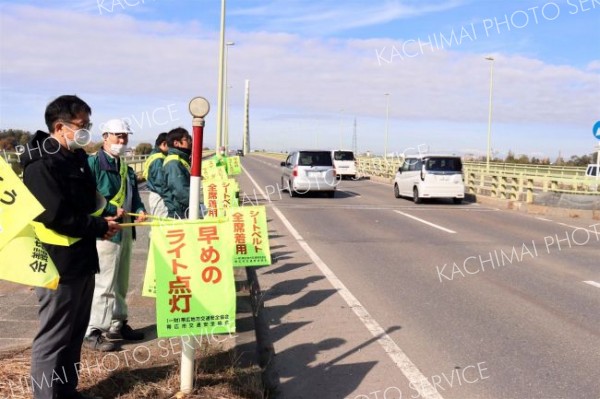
(315, 66)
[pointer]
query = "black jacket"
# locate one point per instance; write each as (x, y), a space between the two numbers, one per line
(62, 182)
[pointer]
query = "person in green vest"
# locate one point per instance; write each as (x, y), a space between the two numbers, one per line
(153, 173)
(176, 173)
(118, 184)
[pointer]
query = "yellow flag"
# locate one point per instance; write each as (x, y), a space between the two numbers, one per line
(220, 195)
(27, 261)
(233, 165)
(149, 287)
(17, 205)
(212, 170)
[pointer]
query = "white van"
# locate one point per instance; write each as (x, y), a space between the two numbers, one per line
(309, 170)
(345, 163)
(592, 170)
(430, 176)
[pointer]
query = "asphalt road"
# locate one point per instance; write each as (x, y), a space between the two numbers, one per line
(486, 303)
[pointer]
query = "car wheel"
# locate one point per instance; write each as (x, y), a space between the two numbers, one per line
(396, 191)
(416, 198)
(457, 200)
(291, 190)
(331, 194)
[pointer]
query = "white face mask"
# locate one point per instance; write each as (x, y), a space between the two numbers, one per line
(81, 138)
(117, 149)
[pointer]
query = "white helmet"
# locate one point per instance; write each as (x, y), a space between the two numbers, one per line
(116, 126)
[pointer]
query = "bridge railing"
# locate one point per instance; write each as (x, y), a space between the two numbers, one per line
(508, 181)
(135, 161)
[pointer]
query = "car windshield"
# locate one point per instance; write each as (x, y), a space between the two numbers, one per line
(315, 158)
(343, 156)
(443, 164)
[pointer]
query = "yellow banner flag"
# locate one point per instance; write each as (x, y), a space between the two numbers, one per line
(149, 287)
(18, 206)
(233, 165)
(29, 262)
(195, 288)
(214, 169)
(251, 236)
(219, 195)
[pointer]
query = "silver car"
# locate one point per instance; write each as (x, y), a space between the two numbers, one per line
(309, 170)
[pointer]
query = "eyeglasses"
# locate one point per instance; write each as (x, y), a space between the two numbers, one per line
(119, 135)
(86, 126)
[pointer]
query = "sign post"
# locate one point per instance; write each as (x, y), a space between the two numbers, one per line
(199, 108)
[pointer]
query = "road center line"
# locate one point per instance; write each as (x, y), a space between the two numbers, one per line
(426, 222)
(406, 366)
(593, 283)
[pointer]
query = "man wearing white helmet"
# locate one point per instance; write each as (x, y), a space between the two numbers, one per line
(117, 183)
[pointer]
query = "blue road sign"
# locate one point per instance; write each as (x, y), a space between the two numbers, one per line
(596, 130)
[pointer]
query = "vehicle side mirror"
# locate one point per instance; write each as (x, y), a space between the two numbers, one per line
(282, 164)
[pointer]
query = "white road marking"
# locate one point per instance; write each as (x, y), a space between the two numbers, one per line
(544, 219)
(406, 366)
(579, 228)
(427, 223)
(593, 283)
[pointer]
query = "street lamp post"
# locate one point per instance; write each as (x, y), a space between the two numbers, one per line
(226, 106)
(489, 134)
(221, 87)
(387, 122)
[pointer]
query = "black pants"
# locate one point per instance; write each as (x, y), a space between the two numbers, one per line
(64, 314)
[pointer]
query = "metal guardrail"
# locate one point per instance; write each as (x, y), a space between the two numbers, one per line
(508, 181)
(503, 180)
(136, 162)
(530, 169)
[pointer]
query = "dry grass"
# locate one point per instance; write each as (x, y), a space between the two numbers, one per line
(152, 374)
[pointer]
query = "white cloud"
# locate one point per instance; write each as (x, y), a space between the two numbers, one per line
(130, 67)
(327, 16)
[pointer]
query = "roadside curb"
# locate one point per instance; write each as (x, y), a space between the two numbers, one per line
(261, 352)
(536, 209)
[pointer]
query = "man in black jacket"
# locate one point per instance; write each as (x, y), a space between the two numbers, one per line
(57, 174)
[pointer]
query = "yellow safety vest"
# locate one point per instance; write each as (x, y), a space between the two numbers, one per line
(50, 236)
(174, 157)
(151, 158)
(119, 199)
